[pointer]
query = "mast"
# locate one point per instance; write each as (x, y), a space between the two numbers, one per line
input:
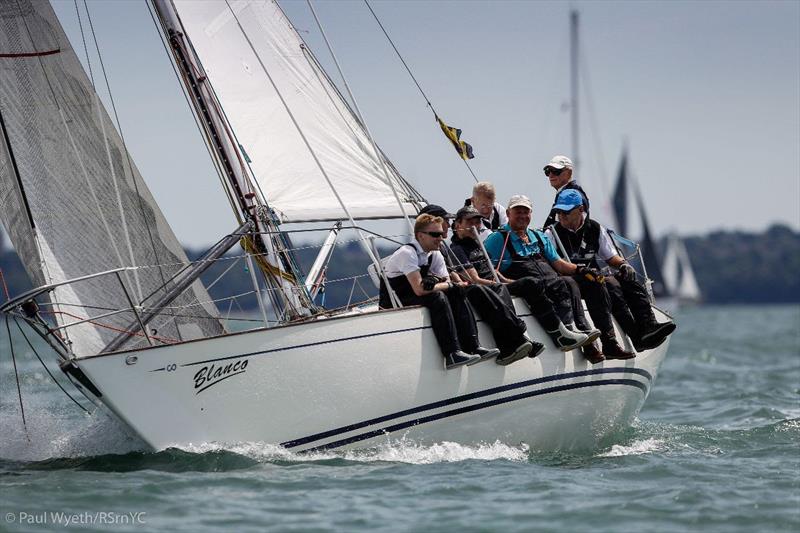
(573, 42)
(277, 266)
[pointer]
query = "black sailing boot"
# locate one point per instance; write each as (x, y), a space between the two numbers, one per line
(653, 334)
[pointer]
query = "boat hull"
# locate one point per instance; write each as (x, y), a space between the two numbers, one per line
(358, 380)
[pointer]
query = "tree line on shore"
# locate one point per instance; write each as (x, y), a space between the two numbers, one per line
(731, 267)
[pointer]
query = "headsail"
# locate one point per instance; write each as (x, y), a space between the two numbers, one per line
(71, 199)
(285, 170)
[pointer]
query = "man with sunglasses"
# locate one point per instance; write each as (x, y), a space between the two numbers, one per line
(584, 241)
(493, 304)
(418, 276)
(559, 172)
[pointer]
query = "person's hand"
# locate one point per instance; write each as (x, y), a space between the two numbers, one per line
(626, 272)
(428, 282)
(591, 274)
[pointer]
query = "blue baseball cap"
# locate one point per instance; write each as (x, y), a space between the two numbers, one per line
(567, 200)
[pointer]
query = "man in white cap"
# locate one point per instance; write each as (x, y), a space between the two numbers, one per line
(528, 257)
(559, 171)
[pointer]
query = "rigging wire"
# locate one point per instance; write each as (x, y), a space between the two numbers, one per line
(48, 370)
(85, 48)
(16, 375)
(408, 69)
(311, 151)
(140, 200)
(361, 118)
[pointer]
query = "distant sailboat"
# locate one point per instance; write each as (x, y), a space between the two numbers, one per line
(678, 272)
(675, 276)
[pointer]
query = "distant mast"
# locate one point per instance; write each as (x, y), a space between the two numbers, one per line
(573, 40)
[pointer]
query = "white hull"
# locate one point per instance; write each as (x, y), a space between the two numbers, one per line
(356, 380)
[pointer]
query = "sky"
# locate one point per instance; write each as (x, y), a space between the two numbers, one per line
(706, 95)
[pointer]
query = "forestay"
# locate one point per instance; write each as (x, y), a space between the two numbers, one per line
(283, 165)
(71, 199)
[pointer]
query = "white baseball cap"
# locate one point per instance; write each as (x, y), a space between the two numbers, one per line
(520, 200)
(560, 161)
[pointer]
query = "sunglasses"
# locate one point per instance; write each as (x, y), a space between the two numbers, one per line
(434, 234)
(553, 171)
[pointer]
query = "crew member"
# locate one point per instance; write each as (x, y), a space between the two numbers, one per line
(559, 172)
(418, 276)
(493, 215)
(584, 241)
(492, 304)
(474, 265)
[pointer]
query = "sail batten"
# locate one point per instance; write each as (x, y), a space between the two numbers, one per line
(71, 200)
(263, 116)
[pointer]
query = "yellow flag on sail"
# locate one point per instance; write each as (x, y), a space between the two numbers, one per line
(454, 134)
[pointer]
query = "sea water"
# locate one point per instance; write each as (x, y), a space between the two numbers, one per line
(716, 448)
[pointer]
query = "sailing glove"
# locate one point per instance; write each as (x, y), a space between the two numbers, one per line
(592, 274)
(626, 272)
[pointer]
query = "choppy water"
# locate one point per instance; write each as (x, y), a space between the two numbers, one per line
(716, 448)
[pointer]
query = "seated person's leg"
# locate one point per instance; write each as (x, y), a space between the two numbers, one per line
(599, 305)
(466, 327)
(619, 308)
(506, 326)
(550, 316)
(576, 305)
(649, 332)
(442, 320)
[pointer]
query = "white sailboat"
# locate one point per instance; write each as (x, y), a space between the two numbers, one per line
(678, 272)
(138, 333)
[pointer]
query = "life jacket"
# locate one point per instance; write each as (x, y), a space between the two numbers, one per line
(551, 218)
(582, 245)
(475, 257)
(536, 265)
(400, 284)
(492, 224)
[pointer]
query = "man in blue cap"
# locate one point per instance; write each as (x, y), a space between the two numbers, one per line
(584, 241)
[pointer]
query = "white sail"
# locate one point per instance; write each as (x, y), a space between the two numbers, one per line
(678, 272)
(72, 200)
(285, 169)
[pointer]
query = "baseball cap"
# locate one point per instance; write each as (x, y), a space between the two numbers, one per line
(567, 200)
(520, 200)
(467, 212)
(436, 210)
(560, 161)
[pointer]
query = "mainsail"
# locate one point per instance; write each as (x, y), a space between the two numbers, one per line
(619, 199)
(649, 251)
(72, 200)
(242, 63)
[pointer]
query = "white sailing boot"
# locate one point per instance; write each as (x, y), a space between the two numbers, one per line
(566, 339)
(592, 333)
